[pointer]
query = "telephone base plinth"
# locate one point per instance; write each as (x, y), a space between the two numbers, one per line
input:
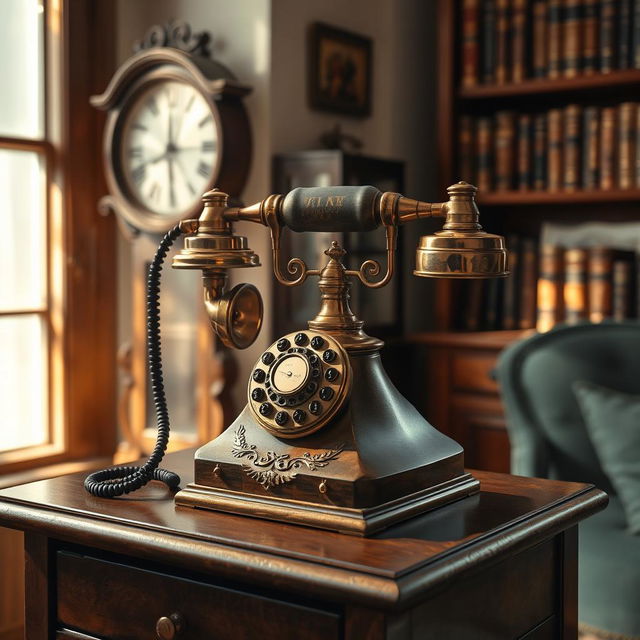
(360, 522)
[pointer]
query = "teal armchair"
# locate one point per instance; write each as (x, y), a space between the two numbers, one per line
(549, 439)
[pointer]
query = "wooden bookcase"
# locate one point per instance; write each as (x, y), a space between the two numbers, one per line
(456, 390)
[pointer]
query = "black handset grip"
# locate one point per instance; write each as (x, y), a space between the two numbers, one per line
(331, 209)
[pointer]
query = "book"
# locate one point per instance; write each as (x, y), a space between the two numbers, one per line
(505, 134)
(465, 149)
(607, 147)
(627, 116)
(571, 147)
(484, 155)
(624, 290)
(550, 287)
(599, 295)
(510, 299)
(590, 26)
(571, 38)
(539, 29)
(637, 160)
(591, 148)
(540, 151)
(502, 41)
(554, 38)
(623, 36)
(575, 285)
(635, 35)
(518, 40)
(470, 42)
(607, 35)
(524, 152)
(488, 41)
(528, 284)
(554, 150)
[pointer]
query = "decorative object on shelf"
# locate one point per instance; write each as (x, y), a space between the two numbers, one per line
(339, 77)
(176, 123)
(176, 126)
(336, 139)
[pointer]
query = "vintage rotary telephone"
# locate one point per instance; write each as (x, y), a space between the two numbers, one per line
(325, 439)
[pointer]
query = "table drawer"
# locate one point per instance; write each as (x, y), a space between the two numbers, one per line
(112, 600)
(473, 371)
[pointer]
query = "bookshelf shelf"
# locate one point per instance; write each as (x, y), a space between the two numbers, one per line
(528, 88)
(506, 198)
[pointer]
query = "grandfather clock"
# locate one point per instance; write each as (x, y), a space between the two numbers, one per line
(176, 127)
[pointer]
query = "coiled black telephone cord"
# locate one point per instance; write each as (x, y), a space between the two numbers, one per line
(117, 481)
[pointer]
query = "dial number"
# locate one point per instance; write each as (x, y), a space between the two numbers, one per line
(169, 149)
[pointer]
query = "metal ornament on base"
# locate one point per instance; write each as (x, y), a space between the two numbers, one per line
(364, 459)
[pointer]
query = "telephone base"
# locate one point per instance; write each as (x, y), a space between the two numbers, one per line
(360, 522)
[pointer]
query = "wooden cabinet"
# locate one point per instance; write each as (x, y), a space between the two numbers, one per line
(454, 387)
(501, 564)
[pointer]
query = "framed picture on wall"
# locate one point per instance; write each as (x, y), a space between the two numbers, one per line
(339, 71)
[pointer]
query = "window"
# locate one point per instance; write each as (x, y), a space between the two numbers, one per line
(57, 326)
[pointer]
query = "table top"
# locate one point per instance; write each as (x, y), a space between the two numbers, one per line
(393, 567)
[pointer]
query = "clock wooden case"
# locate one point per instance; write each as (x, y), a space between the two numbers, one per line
(170, 118)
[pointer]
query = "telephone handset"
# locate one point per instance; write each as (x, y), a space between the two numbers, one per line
(325, 440)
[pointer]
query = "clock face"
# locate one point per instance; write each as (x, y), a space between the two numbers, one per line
(169, 147)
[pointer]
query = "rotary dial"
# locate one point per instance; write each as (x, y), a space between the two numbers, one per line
(299, 383)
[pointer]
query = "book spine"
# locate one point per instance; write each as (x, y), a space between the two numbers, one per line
(505, 150)
(624, 34)
(488, 41)
(528, 288)
(600, 283)
(590, 37)
(637, 158)
(550, 287)
(626, 144)
(607, 147)
(518, 40)
(575, 285)
(607, 34)
(470, 42)
(524, 152)
(502, 41)
(591, 152)
(571, 38)
(540, 44)
(571, 151)
(465, 148)
(510, 317)
(554, 41)
(540, 152)
(622, 284)
(484, 154)
(554, 155)
(635, 35)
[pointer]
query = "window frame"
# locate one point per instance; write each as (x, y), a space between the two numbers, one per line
(79, 58)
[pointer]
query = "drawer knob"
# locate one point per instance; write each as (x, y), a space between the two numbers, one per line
(169, 628)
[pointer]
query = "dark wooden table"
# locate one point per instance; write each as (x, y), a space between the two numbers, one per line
(501, 564)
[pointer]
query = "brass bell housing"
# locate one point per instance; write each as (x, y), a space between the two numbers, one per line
(462, 249)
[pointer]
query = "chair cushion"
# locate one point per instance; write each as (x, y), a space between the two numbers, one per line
(609, 580)
(613, 423)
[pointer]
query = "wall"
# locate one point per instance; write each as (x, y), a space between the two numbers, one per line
(264, 43)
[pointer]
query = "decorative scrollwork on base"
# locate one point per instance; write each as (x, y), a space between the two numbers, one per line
(272, 469)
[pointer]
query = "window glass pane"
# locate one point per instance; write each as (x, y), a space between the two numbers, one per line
(23, 381)
(23, 263)
(21, 69)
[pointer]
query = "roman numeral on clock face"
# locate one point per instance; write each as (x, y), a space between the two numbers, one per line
(208, 146)
(204, 170)
(139, 173)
